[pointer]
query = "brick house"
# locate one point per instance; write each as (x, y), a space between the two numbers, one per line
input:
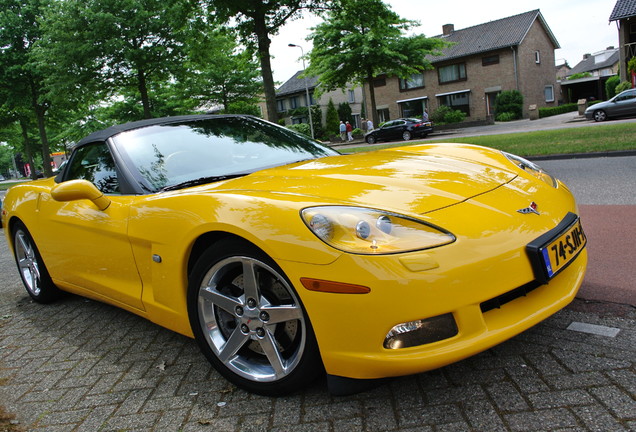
(514, 53)
(625, 14)
(600, 66)
(292, 95)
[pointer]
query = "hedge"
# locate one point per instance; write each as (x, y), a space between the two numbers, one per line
(561, 109)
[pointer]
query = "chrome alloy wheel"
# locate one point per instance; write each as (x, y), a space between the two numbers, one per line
(27, 260)
(251, 319)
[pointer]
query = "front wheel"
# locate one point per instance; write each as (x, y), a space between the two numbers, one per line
(406, 135)
(371, 139)
(600, 115)
(33, 272)
(249, 321)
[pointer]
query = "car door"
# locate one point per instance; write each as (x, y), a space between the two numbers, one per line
(88, 249)
(392, 130)
(625, 104)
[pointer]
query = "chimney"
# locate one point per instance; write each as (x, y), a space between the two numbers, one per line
(610, 48)
(587, 56)
(447, 29)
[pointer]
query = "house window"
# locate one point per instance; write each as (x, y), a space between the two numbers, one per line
(548, 91)
(352, 96)
(293, 102)
(413, 108)
(414, 81)
(311, 99)
(356, 120)
(379, 82)
(383, 115)
(490, 60)
(456, 101)
(452, 73)
(280, 103)
(537, 57)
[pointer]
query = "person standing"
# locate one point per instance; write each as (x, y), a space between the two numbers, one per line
(349, 129)
(424, 116)
(343, 130)
(369, 125)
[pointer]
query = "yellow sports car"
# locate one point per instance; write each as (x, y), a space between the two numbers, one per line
(285, 259)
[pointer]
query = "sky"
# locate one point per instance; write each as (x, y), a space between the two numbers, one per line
(580, 26)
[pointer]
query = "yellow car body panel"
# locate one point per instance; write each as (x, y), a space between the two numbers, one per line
(136, 253)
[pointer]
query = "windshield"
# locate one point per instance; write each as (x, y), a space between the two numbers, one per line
(165, 156)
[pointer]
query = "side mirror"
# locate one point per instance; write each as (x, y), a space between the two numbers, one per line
(74, 190)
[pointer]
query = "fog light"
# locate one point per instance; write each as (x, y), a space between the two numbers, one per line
(421, 332)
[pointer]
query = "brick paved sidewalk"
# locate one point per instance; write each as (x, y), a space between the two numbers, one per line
(79, 365)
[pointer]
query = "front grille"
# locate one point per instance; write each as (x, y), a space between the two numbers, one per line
(497, 302)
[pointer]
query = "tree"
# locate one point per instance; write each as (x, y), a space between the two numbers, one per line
(361, 39)
(510, 101)
(610, 86)
(255, 21)
(332, 121)
(96, 49)
(22, 89)
(345, 113)
(222, 74)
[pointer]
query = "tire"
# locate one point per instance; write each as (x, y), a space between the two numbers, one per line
(371, 139)
(406, 135)
(257, 335)
(600, 115)
(35, 276)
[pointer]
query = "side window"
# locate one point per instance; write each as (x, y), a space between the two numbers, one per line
(93, 162)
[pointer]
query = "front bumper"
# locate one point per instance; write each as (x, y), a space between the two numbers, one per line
(487, 262)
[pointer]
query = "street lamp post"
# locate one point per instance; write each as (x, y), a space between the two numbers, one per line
(311, 123)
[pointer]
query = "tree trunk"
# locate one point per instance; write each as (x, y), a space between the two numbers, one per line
(46, 151)
(266, 68)
(27, 149)
(374, 111)
(143, 91)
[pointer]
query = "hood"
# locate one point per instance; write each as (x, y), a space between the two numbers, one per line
(403, 180)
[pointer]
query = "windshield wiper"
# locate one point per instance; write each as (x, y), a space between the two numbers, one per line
(200, 181)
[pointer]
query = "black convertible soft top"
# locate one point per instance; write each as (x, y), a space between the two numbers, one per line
(104, 134)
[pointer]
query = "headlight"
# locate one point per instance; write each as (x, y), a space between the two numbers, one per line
(532, 168)
(375, 232)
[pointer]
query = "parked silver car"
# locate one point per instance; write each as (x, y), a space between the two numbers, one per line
(621, 105)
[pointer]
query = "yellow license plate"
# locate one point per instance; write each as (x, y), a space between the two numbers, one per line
(561, 247)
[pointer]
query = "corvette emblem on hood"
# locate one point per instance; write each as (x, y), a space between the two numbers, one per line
(532, 208)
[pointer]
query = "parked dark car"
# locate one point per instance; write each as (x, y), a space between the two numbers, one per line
(621, 105)
(402, 128)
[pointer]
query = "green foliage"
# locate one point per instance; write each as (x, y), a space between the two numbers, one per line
(255, 21)
(625, 85)
(332, 122)
(316, 118)
(579, 76)
(302, 128)
(561, 109)
(361, 39)
(356, 131)
(510, 101)
(506, 116)
(445, 114)
(344, 112)
(610, 86)
(242, 107)
(631, 65)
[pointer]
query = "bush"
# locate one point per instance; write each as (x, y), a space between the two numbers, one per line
(302, 128)
(562, 109)
(625, 85)
(509, 102)
(506, 116)
(610, 86)
(445, 114)
(356, 131)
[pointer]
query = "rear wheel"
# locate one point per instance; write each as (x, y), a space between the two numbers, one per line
(249, 321)
(600, 115)
(406, 135)
(33, 272)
